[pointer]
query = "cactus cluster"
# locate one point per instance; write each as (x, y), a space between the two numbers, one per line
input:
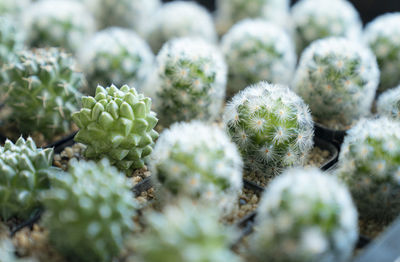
(116, 56)
(388, 103)
(190, 81)
(180, 19)
(369, 165)
(185, 232)
(383, 37)
(24, 173)
(338, 79)
(61, 23)
(257, 50)
(89, 211)
(42, 91)
(305, 215)
(117, 124)
(198, 161)
(11, 40)
(272, 127)
(315, 19)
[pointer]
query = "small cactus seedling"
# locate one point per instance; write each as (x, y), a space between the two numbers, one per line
(185, 232)
(198, 161)
(12, 7)
(369, 164)
(337, 78)
(383, 37)
(257, 50)
(117, 124)
(89, 211)
(11, 40)
(272, 127)
(190, 83)
(24, 173)
(180, 19)
(42, 90)
(61, 23)
(389, 103)
(316, 19)
(304, 215)
(116, 56)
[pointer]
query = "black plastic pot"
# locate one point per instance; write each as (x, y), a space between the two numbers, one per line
(334, 136)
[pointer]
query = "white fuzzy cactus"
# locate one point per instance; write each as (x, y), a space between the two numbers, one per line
(190, 81)
(383, 36)
(61, 23)
(258, 50)
(116, 56)
(272, 127)
(388, 103)
(197, 161)
(369, 163)
(13, 7)
(305, 215)
(338, 79)
(180, 19)
(315, 19)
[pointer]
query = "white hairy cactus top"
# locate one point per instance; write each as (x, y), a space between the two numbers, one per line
(258, 50)
(388, 103)
(180, 19)
(338, 79)
(305, 215)
(315, 19)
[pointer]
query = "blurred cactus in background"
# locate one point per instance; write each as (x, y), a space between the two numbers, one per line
(388, 103)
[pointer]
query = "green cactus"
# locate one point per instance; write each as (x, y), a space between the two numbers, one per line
(185, 232)
(337, 78)
(42, 91)
(388, 103)
(316, 19)
(272, 127)
(197, 161)
(89, 211)
(258, 50)
(304, 215)
(190, 81)
(11, 39)
(24, 173)
(369, 165)
(117, 124)
(383, 37)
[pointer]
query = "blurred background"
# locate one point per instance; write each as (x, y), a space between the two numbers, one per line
(369, 9)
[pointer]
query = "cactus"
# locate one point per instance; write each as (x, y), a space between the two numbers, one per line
(315, 19)
(337, 78)
(383, 37)
(388, 103)
(89, 211)
(117, 124)
(42, 91)
(13, 7)
(305, 215)
(11, 40)
(116, 56)
(190, 81)
(369, 165)
(185, 232)
(197, 161)
(24, 173)
(257, 50)
(180, 19)
(61, 23)
(272, 127)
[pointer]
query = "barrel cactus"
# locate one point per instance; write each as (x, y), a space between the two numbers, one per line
(369, 165)
(42, 91)
(190, 81)
(383, 37)
(180, 19)
(257, 50)
(11, 39)
(24, 174)
(117, 124)
(389, 103)
(305, 215)
(272, 127)
(315, 19)
(61, 23)
(197, 161)
(89, 211)
(338, 79)
(116, 56)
